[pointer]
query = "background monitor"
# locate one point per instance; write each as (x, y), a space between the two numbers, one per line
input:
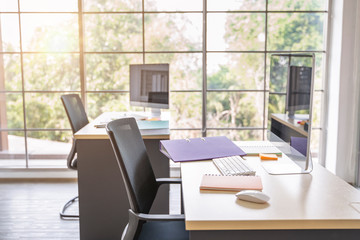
(298, 89)
(149, 86)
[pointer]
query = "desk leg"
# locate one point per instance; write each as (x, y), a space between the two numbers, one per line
(103, 203)
(329, 234)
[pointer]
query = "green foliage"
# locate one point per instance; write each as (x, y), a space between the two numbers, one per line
(12, 74)
(51, 72)
(113, 32)
(163, 32)
(296, 32)
(186, 110)
(15, 117)
(114, 5)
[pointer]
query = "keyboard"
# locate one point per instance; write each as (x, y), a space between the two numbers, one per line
(233, 166)
(102, 124)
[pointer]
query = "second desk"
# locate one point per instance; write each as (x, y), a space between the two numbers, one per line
(103, 202)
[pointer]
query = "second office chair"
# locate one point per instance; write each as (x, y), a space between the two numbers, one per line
(77, 117)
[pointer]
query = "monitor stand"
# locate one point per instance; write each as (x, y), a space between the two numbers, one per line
(291, 115)
(291, 162)
(155, 112)
(287, 166)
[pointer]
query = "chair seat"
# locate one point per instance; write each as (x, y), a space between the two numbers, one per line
(164, 230)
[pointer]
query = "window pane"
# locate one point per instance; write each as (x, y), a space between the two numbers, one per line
(10, 37)
(319, 70)
(185, 69)
(186, 110)
(235, 71)
(277, 73)
(50, 32)
(109, 71)
(238, 135)
(315, 142)
(173, 32)
(51, 72)
(11, 107)
(316, 109)
(43, 110)
(181, 134)
(235, 109)
(108, 102)
(112, 5)
(173, 5)
(12, 149)
(48, 6)
(236, 31)
(296, 31)
(8, 6)
(276, 103)
(113, 32)
(48, 149)
(10, 72)
(235, 5)
(283, 5)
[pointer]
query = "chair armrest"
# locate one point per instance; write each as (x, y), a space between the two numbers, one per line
(71, 156)
(135, 220)
(168, 181)
(160, 217)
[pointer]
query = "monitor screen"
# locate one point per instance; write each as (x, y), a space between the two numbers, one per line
(149, 85)
(291, 88)
(298, 89)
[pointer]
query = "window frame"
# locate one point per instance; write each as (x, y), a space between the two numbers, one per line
(204, 51)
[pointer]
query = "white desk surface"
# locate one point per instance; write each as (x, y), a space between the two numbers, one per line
(91, 132)
(319, 200)
(291, 123)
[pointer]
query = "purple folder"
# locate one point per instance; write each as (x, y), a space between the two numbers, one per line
(194, 149)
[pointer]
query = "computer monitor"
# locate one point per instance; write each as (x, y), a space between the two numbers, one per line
(291, 85)
(298, 90)
(149, 86)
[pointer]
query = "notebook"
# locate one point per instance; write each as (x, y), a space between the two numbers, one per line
(230, 183)
(255, 148)
(193, 149)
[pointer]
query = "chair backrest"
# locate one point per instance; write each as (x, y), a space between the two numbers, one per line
(75, 111)
(134, 163)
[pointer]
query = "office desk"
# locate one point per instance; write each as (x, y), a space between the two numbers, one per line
(103, 203)
(304, 206)
(284, 127)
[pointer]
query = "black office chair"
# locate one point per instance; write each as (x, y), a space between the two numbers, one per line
(77, 117)
(141, 185)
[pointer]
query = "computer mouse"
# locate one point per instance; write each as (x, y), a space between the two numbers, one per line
(253, 196)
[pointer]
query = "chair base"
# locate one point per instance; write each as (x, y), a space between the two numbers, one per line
(68, 204)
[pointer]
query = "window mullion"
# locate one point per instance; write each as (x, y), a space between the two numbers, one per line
(204, 90)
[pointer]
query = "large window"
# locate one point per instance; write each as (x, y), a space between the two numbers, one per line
(218, 51)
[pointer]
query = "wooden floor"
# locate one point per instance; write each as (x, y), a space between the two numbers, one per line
(29, 209)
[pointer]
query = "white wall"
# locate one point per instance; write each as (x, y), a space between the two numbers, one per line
(343, 82)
